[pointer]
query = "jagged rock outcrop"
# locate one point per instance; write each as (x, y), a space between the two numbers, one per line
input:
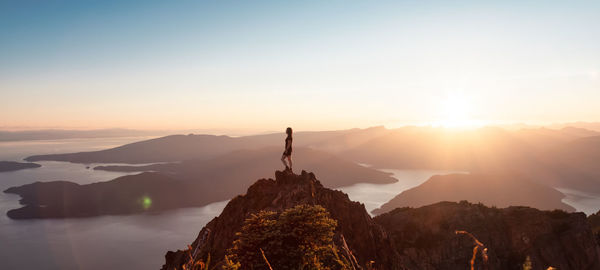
(415, 238)
(425, 237)
(365, 238)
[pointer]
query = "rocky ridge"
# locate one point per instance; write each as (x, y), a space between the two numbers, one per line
(414, 238)
(366, 239)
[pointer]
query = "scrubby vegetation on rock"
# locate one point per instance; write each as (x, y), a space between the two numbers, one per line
(423, 238)
(301, 236)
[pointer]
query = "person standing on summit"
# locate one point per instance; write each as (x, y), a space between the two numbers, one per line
(287, 153)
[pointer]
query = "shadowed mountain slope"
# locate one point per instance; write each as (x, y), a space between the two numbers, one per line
(232, 170)
(169, 148)
(558, 158)
(185, 184)
(562, 158)
(407, 238)
(491, 190)
(124, 195)
(8, 166)
(426, 237)
(184, 147)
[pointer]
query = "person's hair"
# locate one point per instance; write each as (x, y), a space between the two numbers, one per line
(288, 131)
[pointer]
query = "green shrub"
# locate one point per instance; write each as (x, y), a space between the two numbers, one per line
(298, 238)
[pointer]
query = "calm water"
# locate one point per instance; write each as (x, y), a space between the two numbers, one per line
(582, 201)
(107, 242)
(374, 195)
(136, 241)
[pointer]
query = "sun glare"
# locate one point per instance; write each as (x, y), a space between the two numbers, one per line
(456, 112)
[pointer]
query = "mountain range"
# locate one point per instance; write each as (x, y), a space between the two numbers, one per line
(514, 162)
(559, 158)
(182, 184)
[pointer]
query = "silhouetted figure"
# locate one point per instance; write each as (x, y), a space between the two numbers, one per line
(287, 153)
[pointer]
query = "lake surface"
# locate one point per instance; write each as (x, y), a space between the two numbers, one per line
(135, 242)
(108, 242)
(582, 201)
(375, 195)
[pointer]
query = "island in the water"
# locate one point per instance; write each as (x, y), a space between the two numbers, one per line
(175, 185)
(491, 190)
(9, 166)
(124, 195)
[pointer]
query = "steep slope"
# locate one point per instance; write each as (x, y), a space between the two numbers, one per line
(426, 237)
(491, 190)
(367, 240)
(407, 238)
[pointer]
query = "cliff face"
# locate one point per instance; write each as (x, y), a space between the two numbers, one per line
(415, 238)
(425, 237)
(366, 239)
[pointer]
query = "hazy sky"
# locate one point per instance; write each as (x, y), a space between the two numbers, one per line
(263, 65)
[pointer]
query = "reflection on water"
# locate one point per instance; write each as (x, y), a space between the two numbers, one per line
(375, 195)
(136, 241)
(106, 242)
(582, 201)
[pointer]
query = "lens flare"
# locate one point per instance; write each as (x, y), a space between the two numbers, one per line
(146, 202)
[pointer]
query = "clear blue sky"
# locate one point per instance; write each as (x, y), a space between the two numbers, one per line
(260, 65)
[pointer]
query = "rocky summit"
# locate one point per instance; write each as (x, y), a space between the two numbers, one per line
(367, 240)
(437, 236)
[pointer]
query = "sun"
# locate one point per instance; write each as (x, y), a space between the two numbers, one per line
(455, 111)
